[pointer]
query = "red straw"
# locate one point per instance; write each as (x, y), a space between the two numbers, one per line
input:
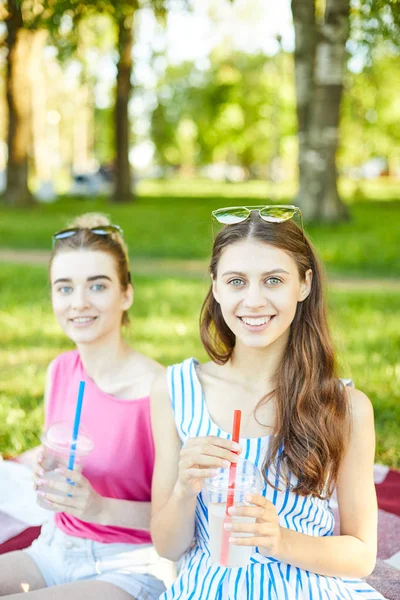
(237, 415)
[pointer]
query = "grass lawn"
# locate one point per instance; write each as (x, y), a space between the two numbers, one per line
(172, 220)
(366, 330)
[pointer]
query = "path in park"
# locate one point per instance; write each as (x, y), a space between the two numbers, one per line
(191, 268)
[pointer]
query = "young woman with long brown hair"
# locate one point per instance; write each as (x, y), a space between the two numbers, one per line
(98, 544)
(264, 326)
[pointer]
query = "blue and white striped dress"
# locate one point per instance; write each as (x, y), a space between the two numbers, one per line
(265, 578)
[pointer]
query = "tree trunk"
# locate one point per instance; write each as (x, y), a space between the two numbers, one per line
(42, 165)
(19, 102)
(123, 191)
(319, 66)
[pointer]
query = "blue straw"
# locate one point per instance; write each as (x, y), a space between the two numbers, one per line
(75, 431)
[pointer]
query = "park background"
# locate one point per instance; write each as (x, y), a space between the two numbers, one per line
(158, 112)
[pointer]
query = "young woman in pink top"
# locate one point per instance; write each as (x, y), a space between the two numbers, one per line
(98, 545)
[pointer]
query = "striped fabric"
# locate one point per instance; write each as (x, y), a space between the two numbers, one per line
(265, 578)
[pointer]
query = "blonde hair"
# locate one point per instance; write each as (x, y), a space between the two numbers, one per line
(113, 244)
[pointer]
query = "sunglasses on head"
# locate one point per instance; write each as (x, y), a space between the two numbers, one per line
(273, 213)
(277, 213)
(98, 230)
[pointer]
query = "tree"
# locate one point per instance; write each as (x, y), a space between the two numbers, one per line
(26, 16)
(321, 32)
(20, 45)
(319, 68)
(124, 21)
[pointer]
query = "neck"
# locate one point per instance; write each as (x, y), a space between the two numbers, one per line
(258, 365)
(103, 356)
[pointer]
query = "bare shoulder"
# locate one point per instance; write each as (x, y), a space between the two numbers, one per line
(360, 405)
(134, 378)
(148, 365)
(159, 392)
(144, 368)
(162, 414)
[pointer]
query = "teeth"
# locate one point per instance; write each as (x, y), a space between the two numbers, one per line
(253, 321)
(82, 319)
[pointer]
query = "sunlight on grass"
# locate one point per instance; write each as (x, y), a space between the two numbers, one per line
(164, 325)
(171, 219)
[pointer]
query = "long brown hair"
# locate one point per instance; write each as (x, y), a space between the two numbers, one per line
(112, 244)
(312, 416)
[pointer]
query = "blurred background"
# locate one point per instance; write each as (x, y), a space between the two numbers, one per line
(157, 112)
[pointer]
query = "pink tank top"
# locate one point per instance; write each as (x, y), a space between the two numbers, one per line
(121, 463)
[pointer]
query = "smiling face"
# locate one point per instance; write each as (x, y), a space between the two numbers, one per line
(258, 286)
(87, 298)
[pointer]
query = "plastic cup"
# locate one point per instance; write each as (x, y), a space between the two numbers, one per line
(215, 491)
(56, 442)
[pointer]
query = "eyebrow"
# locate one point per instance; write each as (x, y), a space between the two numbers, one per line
(273, 271)
(67, 280)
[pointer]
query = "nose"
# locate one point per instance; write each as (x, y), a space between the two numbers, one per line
(255, 297)
(80, 300)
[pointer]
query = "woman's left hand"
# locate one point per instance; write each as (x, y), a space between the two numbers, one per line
(266, 531)
(73, 494)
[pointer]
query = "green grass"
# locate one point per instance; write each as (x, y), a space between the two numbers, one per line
(366, 330)
(172, 220)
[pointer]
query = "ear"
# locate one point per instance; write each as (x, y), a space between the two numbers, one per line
(305, 286)
(127, 297)
(214, 289)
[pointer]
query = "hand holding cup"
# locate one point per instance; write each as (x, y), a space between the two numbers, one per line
(201, 457)
(71, 493)
(262, 529)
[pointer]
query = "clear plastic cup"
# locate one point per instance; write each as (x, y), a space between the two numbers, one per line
(215, 491)
(56, 442)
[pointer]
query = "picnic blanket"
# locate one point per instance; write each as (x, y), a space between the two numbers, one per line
(21, 519)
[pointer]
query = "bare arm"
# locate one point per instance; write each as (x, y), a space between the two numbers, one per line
(353, 553)
(172, 511)
(179, 474)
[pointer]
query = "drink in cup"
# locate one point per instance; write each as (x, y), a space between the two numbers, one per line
(248, 481)
(57, 441)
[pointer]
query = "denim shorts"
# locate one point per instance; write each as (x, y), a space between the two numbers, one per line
(63, 558)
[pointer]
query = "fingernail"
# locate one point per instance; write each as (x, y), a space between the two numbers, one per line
(232, 510)
(214, 472)
(228, 526)
(226, 463)
(41, 493)
(42, 482)
(249, 498)
(60, 471)
(40, 472)
(235, 446)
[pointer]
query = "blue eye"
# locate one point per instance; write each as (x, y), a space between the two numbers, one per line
(236, 282)
(273, 281)
(98, 287)
(65, 289)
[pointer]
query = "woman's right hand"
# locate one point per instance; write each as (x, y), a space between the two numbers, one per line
(200, 458)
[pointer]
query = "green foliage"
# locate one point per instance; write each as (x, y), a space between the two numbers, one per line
(236, 110)
(366, 328)
(374, 22)
(370, 124)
